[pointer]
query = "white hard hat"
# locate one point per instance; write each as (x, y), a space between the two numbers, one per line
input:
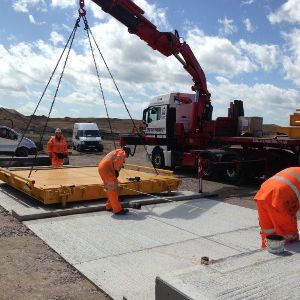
(57, 130)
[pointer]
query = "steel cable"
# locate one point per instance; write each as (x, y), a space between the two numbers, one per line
(58, 85)
(99, 80)
(121, 97)
(44, 91)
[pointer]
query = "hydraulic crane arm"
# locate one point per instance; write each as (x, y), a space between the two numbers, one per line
(167, 43)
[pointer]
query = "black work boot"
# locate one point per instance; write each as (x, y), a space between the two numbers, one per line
(124, 211)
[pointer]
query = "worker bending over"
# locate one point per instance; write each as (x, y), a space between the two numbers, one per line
(57, 149)
(109, 168)
(277, 203)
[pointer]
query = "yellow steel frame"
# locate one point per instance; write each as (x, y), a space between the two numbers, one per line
(72, 184)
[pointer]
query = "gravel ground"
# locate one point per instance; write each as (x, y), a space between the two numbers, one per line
(31, 270)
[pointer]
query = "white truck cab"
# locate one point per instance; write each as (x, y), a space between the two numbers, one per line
(160, 118)
(86, 136)
(10, 142)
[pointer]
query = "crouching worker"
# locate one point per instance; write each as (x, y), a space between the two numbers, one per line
(109, 168)
(277, 203)
(57, 149)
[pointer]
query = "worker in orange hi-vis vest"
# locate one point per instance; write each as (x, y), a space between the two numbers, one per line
(278, 202)
(109, 168)
(57, 149)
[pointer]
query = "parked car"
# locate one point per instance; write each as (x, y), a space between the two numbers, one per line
(10, 143)
(86, 136)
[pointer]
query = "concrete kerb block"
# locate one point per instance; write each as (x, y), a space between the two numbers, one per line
(164, 291)
(128, 203)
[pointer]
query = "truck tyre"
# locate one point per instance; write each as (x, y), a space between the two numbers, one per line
(78, 148)
(74, 148)
(158, 159)
(208, 168)
(22, 152)
(231, 175)
(100, 148)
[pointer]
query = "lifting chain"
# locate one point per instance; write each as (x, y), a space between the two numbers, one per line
(81, 10)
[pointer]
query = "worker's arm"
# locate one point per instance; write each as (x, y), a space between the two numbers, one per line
(119, 160)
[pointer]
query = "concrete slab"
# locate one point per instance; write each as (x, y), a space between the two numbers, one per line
(124, 254)
(25, 208)
(257, 275)
(134, 273)
(215, 218)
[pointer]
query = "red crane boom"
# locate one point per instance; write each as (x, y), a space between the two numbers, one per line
(167, 43)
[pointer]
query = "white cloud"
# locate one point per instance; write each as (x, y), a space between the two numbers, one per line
(228, 26)
(28, 108)
(248, 25)
(64, 3)
(56, 38)
(247, 2)
(264, 55)
(152, 12)
(272, 103)
(219, 55)
(33, 21)
(289, 12)
(291, 60)
(23, 5)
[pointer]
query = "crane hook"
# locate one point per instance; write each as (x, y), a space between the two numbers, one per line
(81, 10)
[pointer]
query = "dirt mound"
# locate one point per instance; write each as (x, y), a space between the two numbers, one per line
(14, 119)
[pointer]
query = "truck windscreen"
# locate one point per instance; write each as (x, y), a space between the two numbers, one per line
(88, 133)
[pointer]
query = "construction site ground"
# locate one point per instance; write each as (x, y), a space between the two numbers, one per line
(32, 270)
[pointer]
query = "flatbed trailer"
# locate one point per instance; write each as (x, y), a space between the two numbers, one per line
(233, 159)
(71, 184)
(31, 160)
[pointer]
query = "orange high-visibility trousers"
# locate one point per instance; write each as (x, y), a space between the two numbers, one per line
(273, 221)
(54, 146)
(55, 162)
(277, 203)
(110, 181)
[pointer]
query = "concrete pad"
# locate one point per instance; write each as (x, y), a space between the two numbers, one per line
(134, 273)
(244, 240)
(25, 208)
(216, 217)
(105, 235)
(258, 275)
(124, 254)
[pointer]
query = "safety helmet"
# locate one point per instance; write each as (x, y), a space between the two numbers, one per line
(57, 130)
(127, 150)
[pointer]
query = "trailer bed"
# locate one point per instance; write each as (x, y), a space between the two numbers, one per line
(71, 184)
(276, 142)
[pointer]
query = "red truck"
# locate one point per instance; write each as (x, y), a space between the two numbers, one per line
(180, 128)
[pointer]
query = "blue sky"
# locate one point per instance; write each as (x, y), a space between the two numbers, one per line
(248, 49)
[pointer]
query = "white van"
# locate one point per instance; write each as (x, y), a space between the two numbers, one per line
(86, 136)
(9, 141)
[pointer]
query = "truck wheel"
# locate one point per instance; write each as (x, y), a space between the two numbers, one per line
(22, 152)
(208, 167)
(78, 148)
(158, 159)
(100, 148)
(232, 175)
(74, 148)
